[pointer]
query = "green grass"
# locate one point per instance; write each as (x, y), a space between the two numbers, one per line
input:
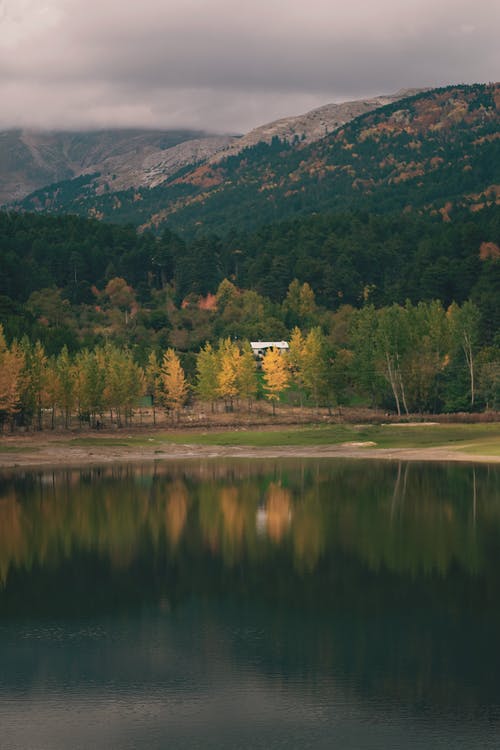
(17, 449)
(425, 436)
(472, 438)
(482, 447)
(108, 442)
(476, 439)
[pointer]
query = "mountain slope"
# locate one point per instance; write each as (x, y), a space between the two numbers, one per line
(311, 126)
(122, 159)
(431, 151)
(31, 159)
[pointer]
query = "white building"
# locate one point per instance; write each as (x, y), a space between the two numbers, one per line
(259, 348)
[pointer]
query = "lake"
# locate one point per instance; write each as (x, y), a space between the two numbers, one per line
(250, 604)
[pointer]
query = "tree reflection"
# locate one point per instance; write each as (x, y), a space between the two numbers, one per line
(381, 575)
(278, 511)
(410, 519)
(176, 512)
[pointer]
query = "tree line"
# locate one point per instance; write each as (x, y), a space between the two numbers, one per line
(406, 358)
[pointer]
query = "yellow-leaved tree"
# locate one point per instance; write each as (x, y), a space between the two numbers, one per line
(35, 394)
(247, 374)
(173, 383)
(65, 388)
(11, 366)
(276, 375)
(296, 356)
(227, 377)
(124, 382)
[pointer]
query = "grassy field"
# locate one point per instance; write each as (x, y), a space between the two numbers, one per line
(472, 438)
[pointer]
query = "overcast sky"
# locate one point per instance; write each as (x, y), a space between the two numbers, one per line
(225, 65)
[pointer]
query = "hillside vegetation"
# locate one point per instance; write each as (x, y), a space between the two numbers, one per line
(431, 152)
(376, 250)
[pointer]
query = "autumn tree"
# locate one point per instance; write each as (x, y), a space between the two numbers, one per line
(65, 385)
(35, 395)
(276, 375)
(123, 381)
(173, 384)
(226, 294)
(296, 354)
(314, 365)
(299, 304)
(247, 374)
(152, 380)
(207, 370)
(90, 382)
(227, 378)
(308, 360)
(11, 367)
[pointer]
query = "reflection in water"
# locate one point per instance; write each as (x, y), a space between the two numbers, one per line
(411, 519)
(327, 595)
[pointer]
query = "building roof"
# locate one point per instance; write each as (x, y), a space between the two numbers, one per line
(269, 344)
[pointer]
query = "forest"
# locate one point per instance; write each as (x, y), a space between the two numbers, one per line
(375, 252)
(411, 358)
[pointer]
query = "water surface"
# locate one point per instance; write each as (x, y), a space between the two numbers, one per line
(245, 604)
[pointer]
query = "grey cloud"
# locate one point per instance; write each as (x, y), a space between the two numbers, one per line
(204, 63)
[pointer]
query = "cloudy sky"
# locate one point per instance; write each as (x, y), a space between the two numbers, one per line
(225, 65)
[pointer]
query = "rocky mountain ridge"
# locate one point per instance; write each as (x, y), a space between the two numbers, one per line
(123, 159)
(31, 159)
(311, 126)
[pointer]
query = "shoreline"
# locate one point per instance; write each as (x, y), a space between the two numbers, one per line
(31, 454)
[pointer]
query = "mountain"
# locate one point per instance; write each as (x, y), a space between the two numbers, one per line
(123, 158)
(117, 160)
(432, 151)
(310, 127)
